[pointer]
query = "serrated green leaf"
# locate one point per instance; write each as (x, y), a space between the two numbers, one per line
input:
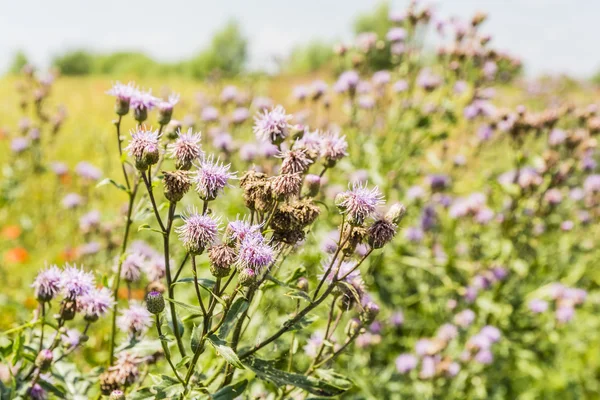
(185, 306)
(206, 284)
(225, 351)
(299, 294)
(106, 181)
(230, 392)
(329, 386)
(146, 227)
(302, 323)
(237, 308)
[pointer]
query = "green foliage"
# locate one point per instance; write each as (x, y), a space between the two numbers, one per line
(19, 61)
(77, 62)
(310, 57)
(378, 22)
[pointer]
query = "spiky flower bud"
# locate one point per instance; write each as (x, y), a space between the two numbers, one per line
(257, 191)
(44, 360)
(123, 95)
(353, 327)
(247, 277)
(117, 395)
(221, 258)
(165, 109)
(155, 302)
(380, 233)
(302, 284)
(371, 312)
(313, 184)
(177, 183)
(396, 213)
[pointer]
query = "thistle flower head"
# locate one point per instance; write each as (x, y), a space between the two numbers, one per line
(396, 34)
(272, 126)
(198, 231)
(155, 268)
(87, 171)
(221, 258)
(380, 233)
(359, 203)
(165, 108)
(47, 284)
(72, 200)
(143, 147)
(311, 143)
(294, 161)
(121, 91)
(186, 149)
(76, 282)
(135, 320)
(240, 115)
(333, 148)
(406, 363)
(212, 178)
(209, 114)
(95, 303)
(239, 230)
(131, 267)
(347, 82)
(254, 254)
(143, 100)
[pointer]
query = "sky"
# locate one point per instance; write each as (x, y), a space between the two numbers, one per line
(550, 36)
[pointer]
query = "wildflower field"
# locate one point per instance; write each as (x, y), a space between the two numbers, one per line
(426, 230)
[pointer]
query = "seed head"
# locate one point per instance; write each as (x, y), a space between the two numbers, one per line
(294, 161)
(221, 258)
(177, 183)
(380, 233)
(286, 185)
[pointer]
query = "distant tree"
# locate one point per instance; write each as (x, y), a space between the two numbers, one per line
(77, 62)
(309, 58)
(19, 61)
(377, 21)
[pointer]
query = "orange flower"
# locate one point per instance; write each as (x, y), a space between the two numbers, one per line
(16, 255)
(11, 232)
(136, 294)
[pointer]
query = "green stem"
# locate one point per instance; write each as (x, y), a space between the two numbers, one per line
(166, 349)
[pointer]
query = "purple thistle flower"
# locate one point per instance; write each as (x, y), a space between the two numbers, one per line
(447, 332)
(311, 142)
(272, 126)
(131, 267)
(90, 248)
(364, 87)
(427, 80)
(248, 152)
(47, 284)
(333, 148)
(491, 332)
(19, 145)
(95, 303)
(381, 78)
(88, 171)
(428, 368)
(398, 48)
(155, 268)
(229, 94)
(212, 178)
(484, 357)
(143, 100)
(397, 319)
(300, 92)
(37, 392)
(254, 254)
(557, 137)
(262, 103)
(72, 200)
(460, 87)
(400, 86)
(414, 234)
(318, 89)
(186, 149)
(89, 221)
(223, 142)
(144, 249)
(135, 320)
(405, 363)
(59, 168)
(464, 318)
(122, 92)
(142, 143)
(347, 82)
(76, 282)
(209, 114)
(396, 34)
(166, 106)
(359, 203)
(198, 231)
(71, 338)
(564, 313)
(344, 269)
(240, 115)
(591, 185)
(366, 102)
